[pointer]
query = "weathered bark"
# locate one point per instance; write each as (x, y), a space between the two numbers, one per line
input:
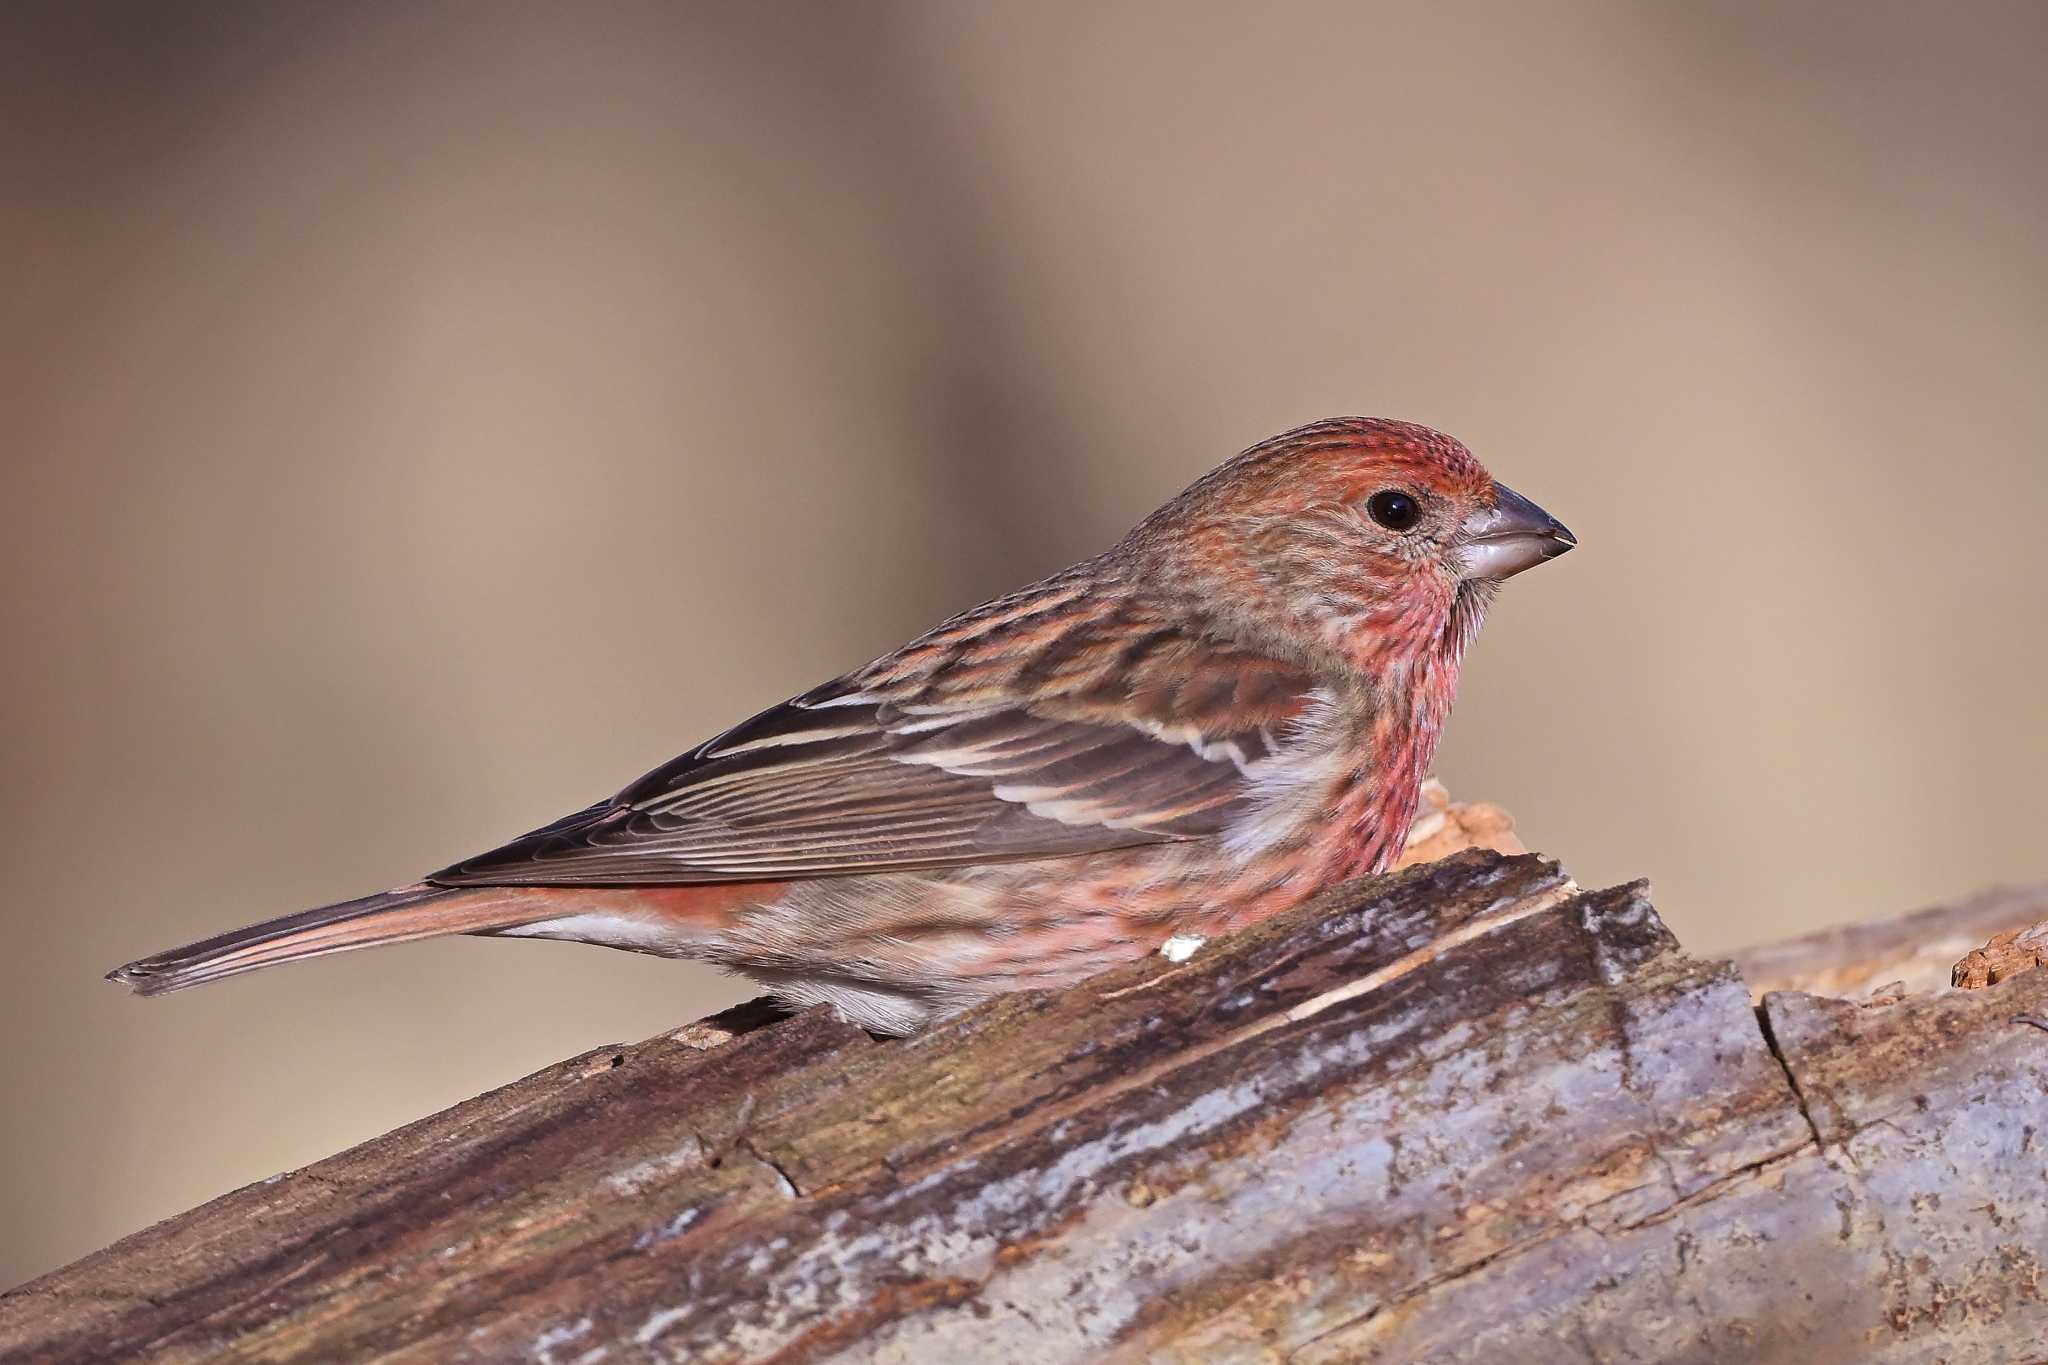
(1467, 1113)
(1917, 951)
(2006, 955)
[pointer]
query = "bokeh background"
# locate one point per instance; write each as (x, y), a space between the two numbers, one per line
(418, 420)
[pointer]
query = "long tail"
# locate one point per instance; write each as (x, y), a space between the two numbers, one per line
(417, 911)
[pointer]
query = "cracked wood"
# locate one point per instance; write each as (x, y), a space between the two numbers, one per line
(1468, 1112)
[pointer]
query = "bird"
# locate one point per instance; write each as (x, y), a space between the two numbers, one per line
(1231, 708)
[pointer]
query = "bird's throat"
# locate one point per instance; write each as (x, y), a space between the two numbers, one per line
(1412, 694)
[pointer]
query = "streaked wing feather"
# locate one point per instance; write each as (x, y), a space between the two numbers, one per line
(1025, 729)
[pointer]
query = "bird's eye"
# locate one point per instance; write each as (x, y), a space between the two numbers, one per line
(1393, 509)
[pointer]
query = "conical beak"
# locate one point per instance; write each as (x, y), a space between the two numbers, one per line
(1512, 535)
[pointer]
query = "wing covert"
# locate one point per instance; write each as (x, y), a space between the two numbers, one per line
(1020, 730)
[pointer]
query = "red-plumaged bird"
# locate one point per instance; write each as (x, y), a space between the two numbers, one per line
(1231, 709)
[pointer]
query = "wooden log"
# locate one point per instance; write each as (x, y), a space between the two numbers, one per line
(1917, 951)
(1469, 1112)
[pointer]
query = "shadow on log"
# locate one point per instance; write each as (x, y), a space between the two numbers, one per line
(1468, 1112)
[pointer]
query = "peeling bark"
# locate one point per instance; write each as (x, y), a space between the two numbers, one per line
(1469, 1112)
(2006, 955)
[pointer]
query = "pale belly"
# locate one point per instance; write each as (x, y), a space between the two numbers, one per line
(893, 950)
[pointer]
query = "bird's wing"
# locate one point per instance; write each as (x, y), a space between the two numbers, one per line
(1037, 726)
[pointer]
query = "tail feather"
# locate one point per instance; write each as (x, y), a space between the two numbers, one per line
(409, 912)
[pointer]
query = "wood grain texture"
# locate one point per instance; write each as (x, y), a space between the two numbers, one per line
(2004, 955)
(1465, 1112)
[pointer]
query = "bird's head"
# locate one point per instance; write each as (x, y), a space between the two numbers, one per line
(1379, 540)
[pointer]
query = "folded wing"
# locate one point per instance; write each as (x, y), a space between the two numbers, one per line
(1056, 721)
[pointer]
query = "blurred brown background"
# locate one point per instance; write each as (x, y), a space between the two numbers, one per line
(419, 421)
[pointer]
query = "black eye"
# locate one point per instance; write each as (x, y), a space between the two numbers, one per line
(1393, 509)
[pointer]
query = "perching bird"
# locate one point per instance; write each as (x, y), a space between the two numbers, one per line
(1231, 709)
